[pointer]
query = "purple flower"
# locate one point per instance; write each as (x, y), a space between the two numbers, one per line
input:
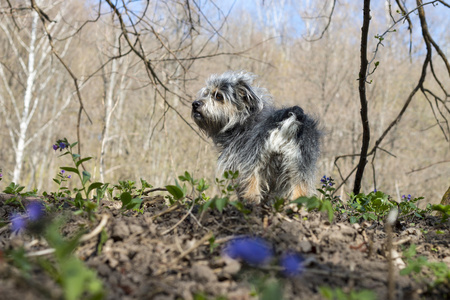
(409, 198)
(55, 147)
(62, 171)
(292, 264)
(62, 145)
(254, 251)
(375, 190)
(17, 222)
(70, 176)
(35, 210)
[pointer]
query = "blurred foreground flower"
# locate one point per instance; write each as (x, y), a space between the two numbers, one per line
(35, 211)
(254, 251)
(292, 264)
(18, 222)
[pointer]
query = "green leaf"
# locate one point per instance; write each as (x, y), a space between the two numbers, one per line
(86, 177)
(102, 241)
(328, 208)
(73, 145)
(125, 197)
(207, 204)
(175, 191)
(300, 200)
(135, 203)
(70, 169)
(145, 184)
(94, 185)
(66, 153)
(326, 292)
(221, 203)
(78, 201)
(272, 290)
(82, 161)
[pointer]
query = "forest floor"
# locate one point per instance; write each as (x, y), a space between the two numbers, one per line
(177, 253)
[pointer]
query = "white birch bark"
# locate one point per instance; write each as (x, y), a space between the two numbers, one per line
(26, 113)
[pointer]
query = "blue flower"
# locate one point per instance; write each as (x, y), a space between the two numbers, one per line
(254, 251)
(35, 210)
(409, 198)
(62, 145)
(292, 264)
(17, 222)
(55, 147)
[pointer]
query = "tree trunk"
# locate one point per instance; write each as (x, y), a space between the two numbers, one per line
(25, 119)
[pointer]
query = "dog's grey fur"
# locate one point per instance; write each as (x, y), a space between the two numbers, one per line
(274, 150)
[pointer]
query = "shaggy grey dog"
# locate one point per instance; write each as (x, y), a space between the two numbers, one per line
(274, 150)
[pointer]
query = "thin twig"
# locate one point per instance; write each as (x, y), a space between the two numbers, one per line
(97, 229)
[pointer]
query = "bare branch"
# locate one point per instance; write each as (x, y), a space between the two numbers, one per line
(426, 167)
(329, 17)
(45, 18)
(363, 98)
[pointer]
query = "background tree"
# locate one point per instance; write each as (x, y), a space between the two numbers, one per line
(132, 69)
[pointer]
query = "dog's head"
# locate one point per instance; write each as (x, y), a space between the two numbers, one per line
(227, 100)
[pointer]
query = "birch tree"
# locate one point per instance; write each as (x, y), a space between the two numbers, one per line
(24, 79)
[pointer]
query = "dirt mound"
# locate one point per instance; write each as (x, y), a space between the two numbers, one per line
(177, 253)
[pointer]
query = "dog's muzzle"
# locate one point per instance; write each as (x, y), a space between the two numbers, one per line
(196, 105)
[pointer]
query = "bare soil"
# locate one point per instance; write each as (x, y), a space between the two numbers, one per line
(165, 253)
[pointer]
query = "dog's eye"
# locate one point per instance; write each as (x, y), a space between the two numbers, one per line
(218, 96)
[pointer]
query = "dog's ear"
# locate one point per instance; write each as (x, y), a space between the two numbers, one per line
(249, 96)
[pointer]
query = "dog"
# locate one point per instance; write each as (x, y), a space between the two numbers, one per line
(274, 150)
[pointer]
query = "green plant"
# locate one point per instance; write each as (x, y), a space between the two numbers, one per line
(63, 191)
(227, 186)
(76, 280)
(338, 294)
(68, 271)
(432, 273)
(373, 206)
(443, 209)
(212, 244)
(315, 203)
(129, 195)
(16, 190)
(376, 205)
(84, 176)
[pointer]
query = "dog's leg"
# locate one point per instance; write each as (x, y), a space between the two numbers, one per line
(252, 189)
(298, 190)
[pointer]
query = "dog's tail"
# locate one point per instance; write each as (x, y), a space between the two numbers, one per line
(290, 126)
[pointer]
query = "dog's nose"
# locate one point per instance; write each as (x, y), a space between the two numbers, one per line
(196, 104)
